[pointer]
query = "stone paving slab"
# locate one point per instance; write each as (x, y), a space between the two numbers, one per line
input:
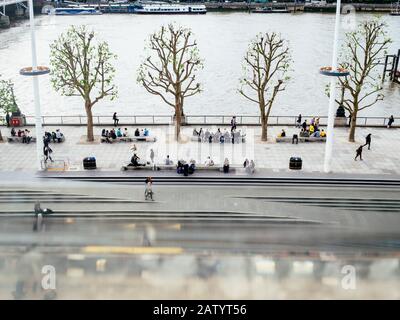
(382, 159)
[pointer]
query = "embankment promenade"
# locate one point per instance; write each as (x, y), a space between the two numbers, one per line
(383, 158)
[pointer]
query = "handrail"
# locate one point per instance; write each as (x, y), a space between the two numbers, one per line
(196, 120)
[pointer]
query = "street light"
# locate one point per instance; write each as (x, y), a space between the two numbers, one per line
(333, 72)
(34, 72)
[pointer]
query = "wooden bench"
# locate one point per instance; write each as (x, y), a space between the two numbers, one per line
(19, 139)
(301, 139)
(130, 139)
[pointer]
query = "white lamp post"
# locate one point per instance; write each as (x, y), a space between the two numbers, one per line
(35, 71)
(334, 72)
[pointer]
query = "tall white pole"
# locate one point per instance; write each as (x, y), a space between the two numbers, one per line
(38, 114)
(332, 96)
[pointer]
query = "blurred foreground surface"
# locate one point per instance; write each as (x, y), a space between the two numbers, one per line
(198, 242)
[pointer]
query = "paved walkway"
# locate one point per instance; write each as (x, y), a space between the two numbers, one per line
(269, 156)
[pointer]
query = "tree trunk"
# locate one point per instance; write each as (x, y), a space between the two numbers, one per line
(178, 116)
(353, 126)
(264, 119)
(264, 128)
(178, 119)
(89, 128)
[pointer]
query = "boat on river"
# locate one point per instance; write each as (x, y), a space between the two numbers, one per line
(72, 11)
(169, 8)
(282, 9)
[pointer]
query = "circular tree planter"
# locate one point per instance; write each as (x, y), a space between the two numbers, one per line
(330, 72)
(29, 71)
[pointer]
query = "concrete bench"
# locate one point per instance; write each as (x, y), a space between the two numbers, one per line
(198, 139)
(301, 139)
(130, 139)
(19, 139)
(201, 167)
(62, 140)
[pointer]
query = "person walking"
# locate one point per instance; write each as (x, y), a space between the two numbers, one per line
(152, 158)
(359, 153)
(47, 151)
(8, 119)
(116, 120)
(148, 193)
(233, 123)
(368, 141)
(390, 122)
(298, 122)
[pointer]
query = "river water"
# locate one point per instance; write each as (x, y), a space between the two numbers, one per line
(222, 38)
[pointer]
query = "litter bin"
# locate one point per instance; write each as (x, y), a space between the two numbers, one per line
(89, 163)
(295, 163)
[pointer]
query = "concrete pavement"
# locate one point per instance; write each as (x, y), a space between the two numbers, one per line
(271, 156)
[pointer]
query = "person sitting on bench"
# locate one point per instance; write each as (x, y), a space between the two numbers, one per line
(192, 166)
(226, 166)
(135, 161)
(112, 134)
(107, 136)
(316, 134)
(126, 133)
(13, 133)
(59, 135)
(209, 162)
(137, 132)
(168, 161)
(322, 134)
(119, 133)
(26, 138)
(146, 132)
(282, 134)
(295, 137)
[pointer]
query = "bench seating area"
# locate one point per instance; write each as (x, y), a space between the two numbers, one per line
(130, 139)
(241, 139)
(201, 167)
(19, 139)
(301, 139)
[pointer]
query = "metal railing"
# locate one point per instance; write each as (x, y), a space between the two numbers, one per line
(202, 120)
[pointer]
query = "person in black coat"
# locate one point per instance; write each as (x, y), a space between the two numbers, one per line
(359, 153)
(8, 119)
(368, 141)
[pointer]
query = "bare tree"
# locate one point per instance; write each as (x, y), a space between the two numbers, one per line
(170, 69)
(80, 67)
(362, 54)
(266, 65)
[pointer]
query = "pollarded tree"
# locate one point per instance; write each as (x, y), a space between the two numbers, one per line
(266, 65)
(170, 69)
(362, 54)
(82, 67)
(8, 102)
